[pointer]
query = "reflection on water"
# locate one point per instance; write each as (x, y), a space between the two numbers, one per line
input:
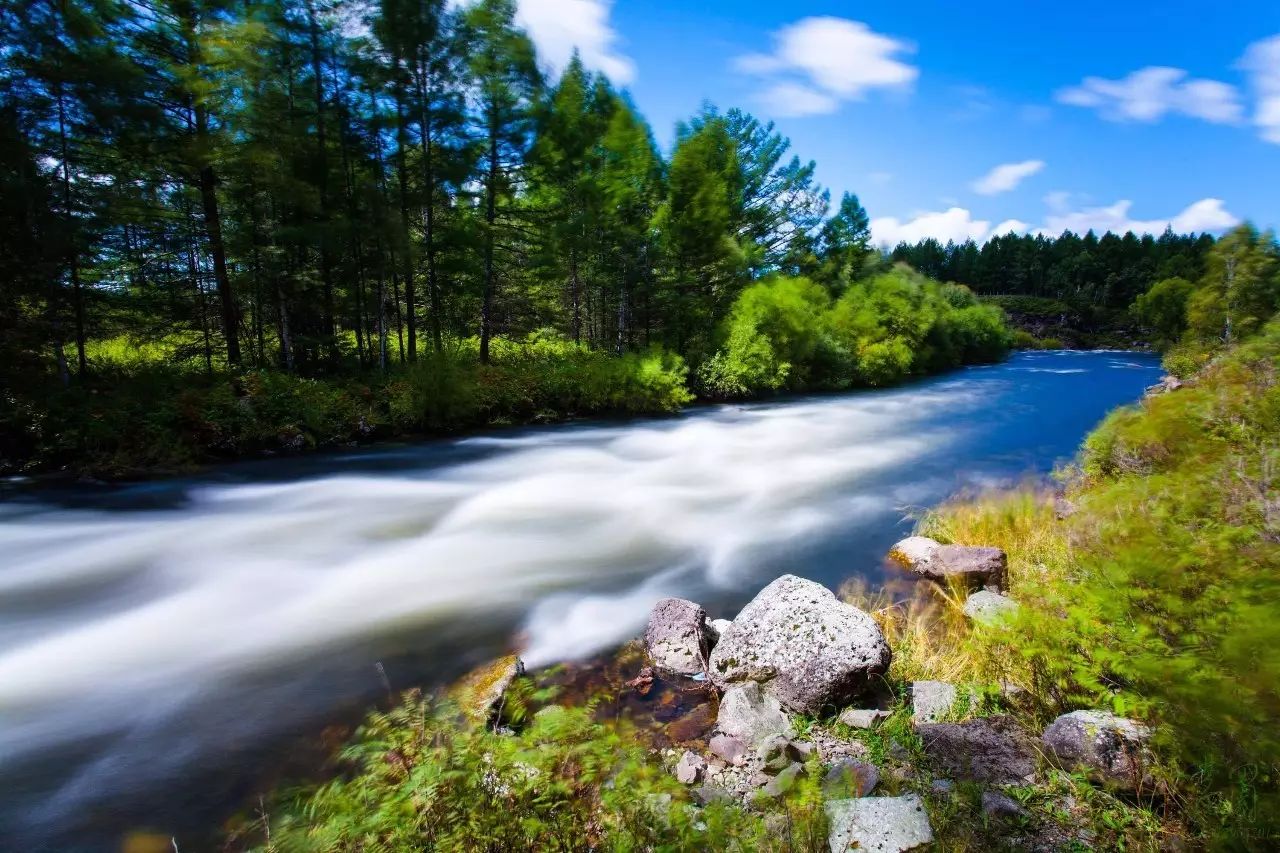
(152, 634)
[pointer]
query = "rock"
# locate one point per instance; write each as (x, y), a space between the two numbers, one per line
(705, 795)
(677, 639)
(1001, 807)
(747, 712)
(479, 695)
(781, 783)
(931, 700)
(690, 768)
(693, 725)
(1063, 508)
(881, 824)
(716, 627)
(992, 750)
(913, 551)
(777, 752)
(972, 566)
(732, 750)
(1166, 384)
(643, 682)
(862, 718)
(811, 649)
(850, 778)
(987, 608)
(942, 787)
(1112, 749)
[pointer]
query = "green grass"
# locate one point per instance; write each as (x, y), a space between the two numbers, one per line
(1156, 599)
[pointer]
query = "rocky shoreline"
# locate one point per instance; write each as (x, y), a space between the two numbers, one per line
(795, 685)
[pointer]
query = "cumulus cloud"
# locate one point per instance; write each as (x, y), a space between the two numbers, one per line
(957, 223)
(819, 62)
(1149, 94)
(954, 223)
(1006, 176)
(1208, 214)
(1262, 63)
(559, 26)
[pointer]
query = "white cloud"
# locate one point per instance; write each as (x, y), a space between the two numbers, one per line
(1010, 226)
(788, 98)
(1262, 62)
(1006, 176)
(1208, 214)
(825, 60)
(559, 26)
(1149, 94)
(957, 223)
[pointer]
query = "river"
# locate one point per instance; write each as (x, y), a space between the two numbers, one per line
(162, 645)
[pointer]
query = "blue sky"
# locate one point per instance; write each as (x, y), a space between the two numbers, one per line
(1118, 114)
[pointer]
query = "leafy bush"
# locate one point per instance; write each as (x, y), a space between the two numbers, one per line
(420, 780)
(786, 334)
(1157, 597)
(145, 416)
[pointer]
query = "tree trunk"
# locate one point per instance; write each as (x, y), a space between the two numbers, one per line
(73, 254)
(402, 177)
(429, 209)
(322, 182)
(490, 218)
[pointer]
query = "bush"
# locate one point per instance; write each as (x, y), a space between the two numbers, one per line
(1157, 598)
(145, 417)
(422, 781)
(786, 334)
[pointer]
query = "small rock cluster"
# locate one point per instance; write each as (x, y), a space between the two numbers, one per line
(797, 649)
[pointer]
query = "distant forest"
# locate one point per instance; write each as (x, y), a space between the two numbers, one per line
(1110, 271)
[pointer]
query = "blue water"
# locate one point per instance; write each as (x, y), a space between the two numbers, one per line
(163, 644)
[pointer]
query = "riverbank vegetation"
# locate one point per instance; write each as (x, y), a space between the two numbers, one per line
(1154, 598)
(395, 225)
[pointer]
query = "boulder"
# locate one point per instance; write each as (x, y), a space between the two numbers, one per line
(677, 639)
(913, 551)
(730, 749)
(862, 718)
(1000, 807)
(718, 627)
(991, 750)
(1112, 749)
(750, 714)
(777, 752)
(988, 608)
(850, 777)
(479, 695)
(880, 824)
(971, 566)
(931, 700)
(808, 647)
(783, 780)
(690, 767)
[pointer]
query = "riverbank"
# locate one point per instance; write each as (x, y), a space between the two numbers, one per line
(1143, 595)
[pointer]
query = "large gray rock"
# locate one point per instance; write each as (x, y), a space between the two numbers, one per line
(678, 640)
(992, 750)
(690, 767)
(862, 718)
(1112, 749)
(913, 551)
(971, 566)
(881, 824)
(806, 646)
(751, 715)
(730, 749)
(989, 608)
(931, 700)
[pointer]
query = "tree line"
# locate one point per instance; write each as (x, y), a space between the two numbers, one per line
(1110, 271)
(320, 185)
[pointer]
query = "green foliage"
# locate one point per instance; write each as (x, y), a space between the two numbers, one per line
(1156, 599)
(786, 333)
(1163, 309)
(148, 416)
(420, 781)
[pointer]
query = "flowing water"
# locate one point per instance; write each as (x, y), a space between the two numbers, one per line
(163, 645)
